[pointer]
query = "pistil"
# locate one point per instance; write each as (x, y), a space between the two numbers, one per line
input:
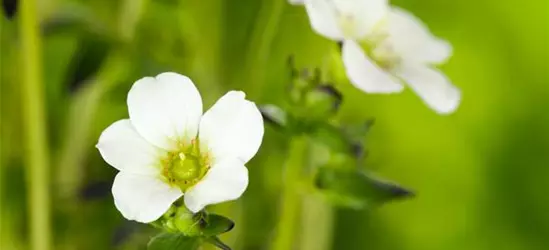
(185, 168)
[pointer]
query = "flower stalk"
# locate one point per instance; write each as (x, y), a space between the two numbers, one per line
(37, 159)
(317, 216)
(318, 222)
(286, 228)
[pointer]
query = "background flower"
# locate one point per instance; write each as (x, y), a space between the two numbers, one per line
(382, 47)
(407, 53)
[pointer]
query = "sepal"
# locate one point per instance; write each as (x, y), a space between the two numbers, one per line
(214, 224)
(174, 241)
(185, 230)
(311, 98)
(274, 115)
(355, 189)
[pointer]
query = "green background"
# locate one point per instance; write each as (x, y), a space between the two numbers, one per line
(481, 175)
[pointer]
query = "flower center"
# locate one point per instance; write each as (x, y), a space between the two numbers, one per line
(382, 53)
(185, 167)
(348, 25)
(385, 56)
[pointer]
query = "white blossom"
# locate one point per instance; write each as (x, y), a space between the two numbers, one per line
(385, 47)
(168, 148)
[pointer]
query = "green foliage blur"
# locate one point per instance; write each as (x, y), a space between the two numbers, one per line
(480, 175)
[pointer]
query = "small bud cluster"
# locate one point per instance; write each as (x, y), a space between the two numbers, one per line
(178, 219)
(311, 108)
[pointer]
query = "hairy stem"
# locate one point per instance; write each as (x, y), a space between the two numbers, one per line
(288, 221)
(317, 215)
(317, 224)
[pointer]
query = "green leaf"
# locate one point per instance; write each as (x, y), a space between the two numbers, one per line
(332, 137)
(215, 224)
(347, 139)
(75, 17)
(173, 241)
(356, 134)
(218, 243)
(358, 131)
(274, 115)
(355, 189)
(320, 103)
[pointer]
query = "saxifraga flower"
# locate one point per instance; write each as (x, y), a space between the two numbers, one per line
(385, 48)
(168, 148)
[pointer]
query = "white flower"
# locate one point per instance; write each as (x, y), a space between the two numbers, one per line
(167, 148)
(342, 20)
(383, 47)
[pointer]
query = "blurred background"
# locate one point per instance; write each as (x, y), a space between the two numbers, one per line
(481, 175)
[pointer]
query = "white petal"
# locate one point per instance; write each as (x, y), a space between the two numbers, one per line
(433, 87)
(324, 18)
(232, 128)
(166, 109)
(365, 74)
(412, 40)
(225, 181)
(353, 19)
(124, 149)
(142, 198)
(359, 18)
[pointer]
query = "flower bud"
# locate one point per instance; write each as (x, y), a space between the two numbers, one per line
(319, 103)
(186, 222)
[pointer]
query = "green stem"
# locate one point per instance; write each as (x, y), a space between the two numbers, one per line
(37, 160)
(317, 215)
(317, 224)
(290, 202)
